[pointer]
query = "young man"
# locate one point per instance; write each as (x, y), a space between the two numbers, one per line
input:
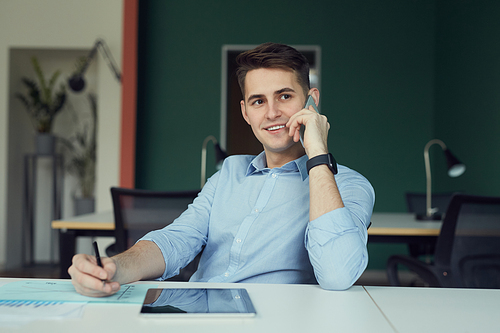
(284, 216)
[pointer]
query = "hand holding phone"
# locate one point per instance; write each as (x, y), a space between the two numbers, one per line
(310, 101)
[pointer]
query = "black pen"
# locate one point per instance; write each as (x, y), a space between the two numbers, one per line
(97, 256)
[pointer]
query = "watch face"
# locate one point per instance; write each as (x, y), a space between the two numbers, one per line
(333, 164)
(330, 163)
(334, 168)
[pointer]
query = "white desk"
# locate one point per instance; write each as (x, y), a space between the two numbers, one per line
(306, 308)
(280, 308)
(439, 309)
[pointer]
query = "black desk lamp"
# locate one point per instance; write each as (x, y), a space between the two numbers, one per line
(455, 169)
(220, 155)
(76, 81)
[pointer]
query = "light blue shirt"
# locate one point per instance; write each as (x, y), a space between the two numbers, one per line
(253, 223)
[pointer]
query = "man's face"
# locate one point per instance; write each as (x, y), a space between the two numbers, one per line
(272, 96)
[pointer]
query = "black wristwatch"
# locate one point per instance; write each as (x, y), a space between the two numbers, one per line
(322, 159)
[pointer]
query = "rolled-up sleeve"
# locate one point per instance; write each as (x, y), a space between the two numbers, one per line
(336, 241)
(182, 240)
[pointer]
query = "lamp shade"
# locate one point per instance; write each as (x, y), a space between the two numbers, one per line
(77, 82)
(455, 167)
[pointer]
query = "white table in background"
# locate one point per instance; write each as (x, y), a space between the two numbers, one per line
(418, 310)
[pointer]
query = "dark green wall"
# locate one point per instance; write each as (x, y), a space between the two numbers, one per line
(377, 83)
(395, 74)
(468, 91)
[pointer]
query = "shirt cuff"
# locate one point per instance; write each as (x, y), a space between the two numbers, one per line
(150, 237)
(332, 225)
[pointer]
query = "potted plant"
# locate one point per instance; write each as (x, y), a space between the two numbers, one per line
(81, 160)
(43, 103)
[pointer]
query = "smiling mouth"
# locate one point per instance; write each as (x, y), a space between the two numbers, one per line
(275, 128)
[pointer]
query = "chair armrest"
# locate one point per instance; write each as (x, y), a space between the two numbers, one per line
(420, 268)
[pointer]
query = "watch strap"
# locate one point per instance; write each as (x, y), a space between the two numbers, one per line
(327, 159)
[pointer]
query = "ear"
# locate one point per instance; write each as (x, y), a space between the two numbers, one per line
(244, 111)
(314, 92)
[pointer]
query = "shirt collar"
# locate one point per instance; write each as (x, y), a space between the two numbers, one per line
(258, 164)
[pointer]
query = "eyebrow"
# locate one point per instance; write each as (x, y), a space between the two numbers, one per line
(256, 96)
(277, 92)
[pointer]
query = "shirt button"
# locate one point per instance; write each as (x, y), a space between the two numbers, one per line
(238, 240)
(274, 175)
(226, 274)
(256, 210)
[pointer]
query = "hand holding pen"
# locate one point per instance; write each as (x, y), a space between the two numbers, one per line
(92, 276)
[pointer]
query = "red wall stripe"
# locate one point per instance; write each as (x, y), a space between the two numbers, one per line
(129, 93)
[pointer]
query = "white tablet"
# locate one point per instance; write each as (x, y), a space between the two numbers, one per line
(199, 302)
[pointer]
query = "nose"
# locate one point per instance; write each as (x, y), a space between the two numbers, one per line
(273, 110)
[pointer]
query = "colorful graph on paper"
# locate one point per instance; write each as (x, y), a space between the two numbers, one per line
(57, 290)
(13, 313)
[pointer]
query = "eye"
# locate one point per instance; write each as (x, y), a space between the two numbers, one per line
(258, 102)
(285, 96)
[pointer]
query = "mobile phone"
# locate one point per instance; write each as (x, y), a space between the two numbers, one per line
(310, 101)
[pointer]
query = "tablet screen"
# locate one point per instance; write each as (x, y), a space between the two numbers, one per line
(185, 301)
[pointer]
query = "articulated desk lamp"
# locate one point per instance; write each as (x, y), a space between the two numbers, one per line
(220, 155)
(76, 81)
(455, 169)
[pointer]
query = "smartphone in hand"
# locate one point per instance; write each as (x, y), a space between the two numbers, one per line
(310, 101)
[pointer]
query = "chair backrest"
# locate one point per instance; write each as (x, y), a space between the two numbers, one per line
(417, 202)
(138, 211)
(468, 247)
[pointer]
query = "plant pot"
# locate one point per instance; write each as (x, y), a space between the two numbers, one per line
(45, 144)
(84, 206)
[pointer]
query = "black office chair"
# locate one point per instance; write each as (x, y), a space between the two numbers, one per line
(467, 249)
(417, 203)
(137, 212)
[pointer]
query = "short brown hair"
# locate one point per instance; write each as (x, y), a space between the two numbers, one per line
(273, 55)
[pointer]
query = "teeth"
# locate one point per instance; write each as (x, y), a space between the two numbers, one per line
(275, 127)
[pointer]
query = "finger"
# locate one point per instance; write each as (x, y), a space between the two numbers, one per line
(302, 116)
(107, 289)
(294, 124)
(90, 286)
(109, 266)
(88, 265)
(296, 136)
(89, 279)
